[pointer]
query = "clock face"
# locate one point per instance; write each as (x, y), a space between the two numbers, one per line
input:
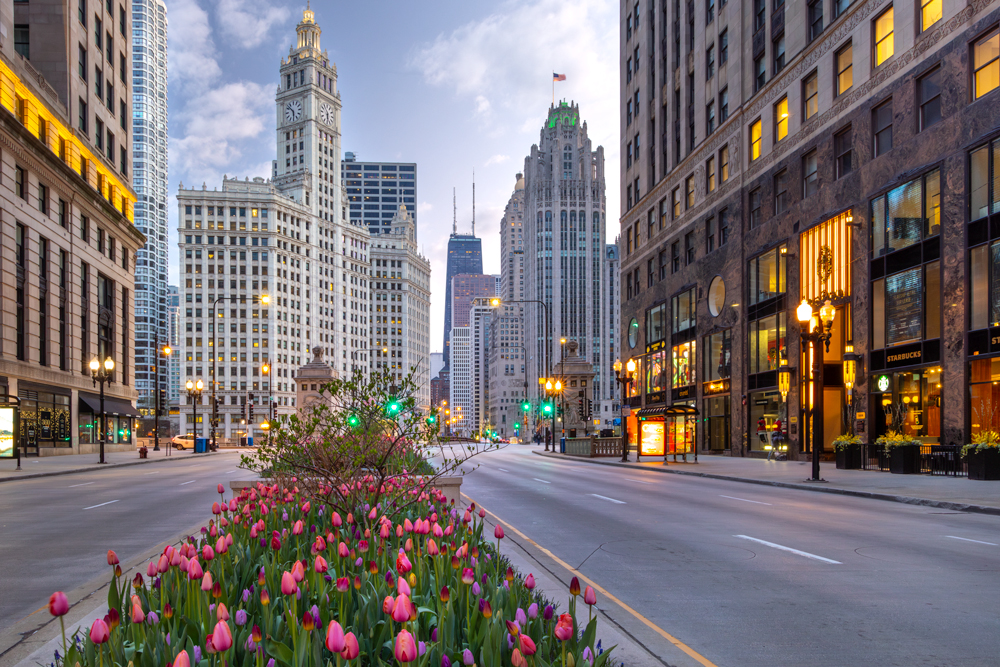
(293, 111)
(326, 114)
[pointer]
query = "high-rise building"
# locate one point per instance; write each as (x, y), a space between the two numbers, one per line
(465, 255)
(149, 168)
(68, 236)
(288, 239)
(816, 155)
(481, 315)
(607, 400)
(373, 191)
(462, 382)
(174, 337)
(564, 231)
(401, 305)
(465, 289)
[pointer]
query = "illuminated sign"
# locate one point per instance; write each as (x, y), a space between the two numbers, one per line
(883, 383)
(6, 433)
(651, 438)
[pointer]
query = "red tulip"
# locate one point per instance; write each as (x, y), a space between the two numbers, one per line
(216, 509)
(405, 648)
(168, 611)
(589, 596)
(527, 645)
(351, 648)
(513, 629)
(221, 489)
(256, 634)
(529, 582)
(343, 584)
(138, 615)
(298, 572)
(401, 609)
(335, 637)
(58, 604)
(564, 628)
(221, 613)
(403, 563)
(498, 532)
(275, 542)
(320, 565)
(445, 594)
(222, 638)
(182, 660)
(288, 586)
(308, 622)
(99, 632)
(112, 558)
(574, 586)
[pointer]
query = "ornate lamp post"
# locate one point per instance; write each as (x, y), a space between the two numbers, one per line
(165, 351)
(817, 332)
(102, 373)
(624, 381)
(194, 393)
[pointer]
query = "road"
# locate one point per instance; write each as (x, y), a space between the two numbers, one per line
(756, 576)
(55, 531)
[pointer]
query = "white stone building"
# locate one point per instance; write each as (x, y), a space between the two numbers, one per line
(462, 382)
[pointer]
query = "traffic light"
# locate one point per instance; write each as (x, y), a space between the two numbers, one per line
(431, 420)
(580, 409)
(163, 401)
(526, 406)
(393, 407)
(547, 408)
(588, 407)
(244, 412)
(353, 421)
(517, 426)
(251, 411)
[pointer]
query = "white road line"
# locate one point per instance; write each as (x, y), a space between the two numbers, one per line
(183, 483)
(620, 502)
(101, 505)
(541, 480)
(637, 480)
(502, 470)
(756, 502)
(76, 485)
(152, 473)
(966, 539)
(804, 554)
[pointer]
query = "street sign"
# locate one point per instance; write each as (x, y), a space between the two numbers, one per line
(626, 410)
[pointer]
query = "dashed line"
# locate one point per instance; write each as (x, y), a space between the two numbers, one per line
(184, 483)
(620, 502)
(541, 480)
(966, 539)
(755, 502)
(804, 554)
(101, 505)
(637, 480)
(73, 486)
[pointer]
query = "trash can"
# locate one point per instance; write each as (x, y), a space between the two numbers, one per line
(200, 445)
(562, 445)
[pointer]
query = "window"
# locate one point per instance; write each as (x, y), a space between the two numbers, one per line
(689, 192)
(675, 257)
(984, 284)
(85, 228)
(63, 214)
(723, 226)
(755, 140)
(842, 152)
(781, 192)
(810, 95)
(710, 62)
(689, 248)
(759, 74)
(628, 116)
(650, 275)
(810, 180)
(724, 104)
(767, 275)
(710, 174)
(724, 47)
(710, 117)
(768, 343)
(929, 98)
(882, 128)
(20, 183)
(845, 77)
(663, 264)
(755, 198)
(656, 323)
(663, 213)
(984, 181)
(884, 43)
(781, 119)
(930, 13)
(759, 14)
(22, 40)
(840, 6)
(986, 52)
(43, 199)
(628, 70)
(683, 309)
(778, 54)
(709, 11)
(716, 355)
(724, 164)
(710, 235)
(906, 306)
(907, 214)
(676, 199)
(99, 134)
(815, 19)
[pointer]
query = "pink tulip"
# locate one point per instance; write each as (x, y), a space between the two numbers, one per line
(222, 638)
(298, 572)
(589, 596)
(529, 582)
(351, 648)
(407, 525)
(401, 609)
(405, 648)
(343, 551)
(206, 582)
(297, 528)
(498, 532)
(288, 586)
(320, 565)
(432, 548)
(336, 520)
(221, 613)
(305, 507)
(112, 558)
(138, 615)
(403, 587)
(207, 553)
(99, 631)
(335, 637)
(343, 584)
(216, 509)
(468, 576)
(221, 489)
(221, 546)
(564, 628)
(163, 564)
(403, 563)
(58, 604)
(387, 604)
(194, 570)
(182, 660)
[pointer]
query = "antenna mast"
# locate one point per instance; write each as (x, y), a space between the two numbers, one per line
(454, 214)
(473, 202)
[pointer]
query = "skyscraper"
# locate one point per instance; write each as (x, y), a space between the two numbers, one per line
(174, 338)
(465, 289)
(465, 255)
(149, 168)
(373, 192)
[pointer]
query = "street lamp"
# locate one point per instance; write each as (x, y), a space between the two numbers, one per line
(624, 380)
(265, 370)
(165, 351)
(194, 393)
(817, 332)
(102, 373)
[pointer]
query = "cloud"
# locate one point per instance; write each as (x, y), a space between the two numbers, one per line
(245, 26)
(483, 105)
(497, 159)
(191, 51)
(425, 207)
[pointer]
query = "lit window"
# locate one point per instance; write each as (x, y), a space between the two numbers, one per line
(987, 66)
(930, 13)
(781, 119)
(755, 140)
(845, 75)
(884, 42)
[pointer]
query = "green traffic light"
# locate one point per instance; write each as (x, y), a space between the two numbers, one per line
(517, 424)
(353, 421)
(526, 406)
(393, 407)
(431, 420)
(547, 409)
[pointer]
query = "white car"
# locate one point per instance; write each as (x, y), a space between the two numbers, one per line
(183, 441)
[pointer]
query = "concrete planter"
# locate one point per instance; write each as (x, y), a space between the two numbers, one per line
(984, 464)
(849, 457)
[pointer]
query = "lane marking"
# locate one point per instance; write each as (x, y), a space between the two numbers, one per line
(966, 539)
(699, 658)
(804, 554)
(620, 502)
(101, 505)
(72, 486)
(541, 480)
(637, 480)
(756, 502)
(502, 470)
(183, 483)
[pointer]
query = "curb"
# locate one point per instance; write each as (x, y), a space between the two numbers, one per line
(871, 495)
(107, 466)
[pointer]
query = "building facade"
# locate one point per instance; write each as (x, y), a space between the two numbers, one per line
(465, 289)
(607, 397)
(69, 243)
(833, 152)
(481, 316)
(465, 255)
(149, 168)
(174, 326)
(374, 191)
(401, 305)
(564, 232)
(461, 383)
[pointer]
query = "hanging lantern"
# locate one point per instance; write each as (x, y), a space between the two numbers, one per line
(850, 367)
(784, 380)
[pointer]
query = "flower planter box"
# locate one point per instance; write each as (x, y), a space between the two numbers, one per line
(984, 464)
(849, 457)
(904, 460)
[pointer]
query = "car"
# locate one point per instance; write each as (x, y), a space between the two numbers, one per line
(183, 441)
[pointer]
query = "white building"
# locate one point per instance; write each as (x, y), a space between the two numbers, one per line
(462, 382)
(401, 305)
(149, 178)
(607, 397)
(481, 316)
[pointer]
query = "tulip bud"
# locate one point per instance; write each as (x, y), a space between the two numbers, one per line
(288, 585)
(58, 604)
(335, 637)
(112, 558)
(256, 633)
(307, 622)
(222, 638)
(99, 632)
(574, 586)
(137, 579)
(589, 596)
(445, 594)
(182, 660)
(351, 648)
(168, 611)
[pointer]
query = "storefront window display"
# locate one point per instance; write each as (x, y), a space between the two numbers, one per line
(908, 402)
(635, 386)
(768, 343)
(906, 306)
(984, 395)
(682, 357)
(768, 419)
(45, 419)
(656, 375)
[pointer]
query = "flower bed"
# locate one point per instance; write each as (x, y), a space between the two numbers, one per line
(276, 581)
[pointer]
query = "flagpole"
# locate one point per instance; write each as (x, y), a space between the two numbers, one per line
(553, 89)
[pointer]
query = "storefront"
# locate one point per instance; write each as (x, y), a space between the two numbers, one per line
(908, 402)
(716, 370)
(45, 417)
(118, 413)
(768, 419)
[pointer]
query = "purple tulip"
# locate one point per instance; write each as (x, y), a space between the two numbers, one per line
(533, 610)
(510, 642)
(547, 614)
(263, 542)
(506, 584)
(284, 516)
(467, 658)
(434, 635)
(211, 608)
(485, 578)
(167, 639)
(315, 614)
(197, 654)
(445, 662)
(421, 648)
(520, 618)
(251, 646)
(241, 617)
(476, 590)
(246, 595)
(359, 562)
(587, 654)
(270, 663)
(152, 618)
(474, 561)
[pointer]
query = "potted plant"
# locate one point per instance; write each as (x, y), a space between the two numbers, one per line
(983, 456)
(903, 451)
(848, 448)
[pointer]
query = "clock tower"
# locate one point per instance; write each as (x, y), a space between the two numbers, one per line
(308, 124)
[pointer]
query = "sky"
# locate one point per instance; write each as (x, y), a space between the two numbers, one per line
(457, 86)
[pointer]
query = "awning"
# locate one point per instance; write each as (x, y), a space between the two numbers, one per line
(112, 406)
(668, 411)
(650, 412)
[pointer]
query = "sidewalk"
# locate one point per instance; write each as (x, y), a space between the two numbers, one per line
(32, 467)
(953, 493)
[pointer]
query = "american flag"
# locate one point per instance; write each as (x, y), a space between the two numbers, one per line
(558, 77)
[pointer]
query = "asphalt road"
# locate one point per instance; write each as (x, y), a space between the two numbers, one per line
(55, 531)
(754, 576)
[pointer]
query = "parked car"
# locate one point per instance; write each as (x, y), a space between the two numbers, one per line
(183, 441)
